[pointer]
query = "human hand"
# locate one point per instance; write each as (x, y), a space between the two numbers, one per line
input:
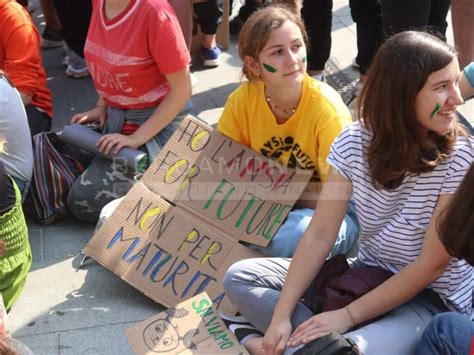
(276, 337)
(97, 114)
(338, 321)
(116, 141)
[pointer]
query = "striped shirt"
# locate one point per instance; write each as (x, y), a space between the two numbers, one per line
(393, 222)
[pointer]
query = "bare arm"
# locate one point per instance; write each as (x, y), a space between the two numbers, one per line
(467, 90)
(309, 197)
(411, 280)
(25, 98)
(96, 114)
(311, 253)
(169, 108)
(166, 111)
(398, 289)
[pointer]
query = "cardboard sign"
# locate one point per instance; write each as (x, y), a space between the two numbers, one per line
(163, 251)
(176, 232)
(225, 183)
(192, 327)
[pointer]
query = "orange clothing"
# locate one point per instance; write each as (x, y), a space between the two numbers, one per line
(20, 56)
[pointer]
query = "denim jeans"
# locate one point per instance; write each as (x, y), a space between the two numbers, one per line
(286, 240)
(448, 334)
(23, 186)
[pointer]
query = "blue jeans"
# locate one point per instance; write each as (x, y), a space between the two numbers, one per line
(286, 240)
(448, 333)
(23, 186)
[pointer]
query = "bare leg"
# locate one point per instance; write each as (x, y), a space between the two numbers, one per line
(208, 41)
(254, 345)
(50, 15)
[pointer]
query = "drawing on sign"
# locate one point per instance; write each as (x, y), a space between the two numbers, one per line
(162, 336)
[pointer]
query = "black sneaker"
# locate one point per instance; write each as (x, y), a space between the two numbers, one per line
(331, 344)
(241, 328)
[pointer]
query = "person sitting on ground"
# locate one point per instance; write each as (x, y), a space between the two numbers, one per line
(138, 61)
(286, 115)
(402, 163)
(18, 159)
(15, 251)
(452, 332)
(20, 59)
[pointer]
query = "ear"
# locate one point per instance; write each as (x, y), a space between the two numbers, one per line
(252, 65)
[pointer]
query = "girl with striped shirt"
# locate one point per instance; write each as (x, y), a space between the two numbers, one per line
(402, 162)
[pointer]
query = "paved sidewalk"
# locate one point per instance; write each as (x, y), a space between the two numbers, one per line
(64, 310)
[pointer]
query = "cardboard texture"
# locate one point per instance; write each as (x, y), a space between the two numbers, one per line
(165, 252)
(225, 183)
(176, 231)
(192, 327)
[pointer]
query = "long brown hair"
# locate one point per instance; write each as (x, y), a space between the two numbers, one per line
(456, 224)
(258, 28)
(387, 108)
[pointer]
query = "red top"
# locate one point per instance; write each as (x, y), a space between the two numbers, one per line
(129, 54)
(20, 56)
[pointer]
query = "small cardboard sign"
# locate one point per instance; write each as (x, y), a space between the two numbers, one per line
(192, 327)
(165, 252)
(225, 183)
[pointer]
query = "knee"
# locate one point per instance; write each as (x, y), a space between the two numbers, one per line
(445, 321)
(80, 205)
(230, 277)
(235, 276)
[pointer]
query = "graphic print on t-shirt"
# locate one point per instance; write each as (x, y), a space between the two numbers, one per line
(288, 152)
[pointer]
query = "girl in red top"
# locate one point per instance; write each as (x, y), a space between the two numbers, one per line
(138, 61)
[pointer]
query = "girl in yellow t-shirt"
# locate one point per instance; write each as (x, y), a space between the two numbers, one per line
(286, 115)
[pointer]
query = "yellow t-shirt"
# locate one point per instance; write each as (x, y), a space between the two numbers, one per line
(303, 141)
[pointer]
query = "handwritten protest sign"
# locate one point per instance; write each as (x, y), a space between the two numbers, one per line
(163, 251)
(176, 232)
(192, 327)
(229, 185)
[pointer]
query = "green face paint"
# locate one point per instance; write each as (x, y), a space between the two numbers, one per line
(435, 110)
(269, 68)
(304, 59)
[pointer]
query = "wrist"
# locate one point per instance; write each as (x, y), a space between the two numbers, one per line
(350, 315)
(282, 314)
(137, 139)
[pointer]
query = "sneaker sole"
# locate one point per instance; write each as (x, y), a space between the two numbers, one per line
(77, 74)
(48, 44)
(210, 62)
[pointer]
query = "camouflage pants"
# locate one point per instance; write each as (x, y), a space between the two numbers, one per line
(102, 182)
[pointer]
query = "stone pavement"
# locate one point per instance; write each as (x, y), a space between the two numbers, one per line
(65, 310)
